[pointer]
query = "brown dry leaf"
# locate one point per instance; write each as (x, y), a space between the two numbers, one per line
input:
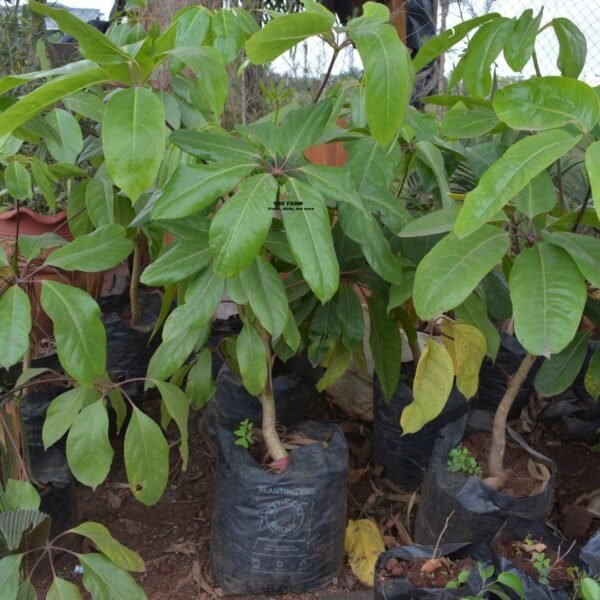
(202, 583)
(432, 565)
(187, 548)
(534, 547)
(363, 544)
(355, 475)
(538, 471)
(114, 500)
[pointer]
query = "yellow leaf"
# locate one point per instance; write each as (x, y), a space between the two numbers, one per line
(470, 347)
(431, 387)
(447, 337)
(338, 362)
(364, 544)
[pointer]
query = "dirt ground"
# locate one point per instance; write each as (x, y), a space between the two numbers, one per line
(173, 537)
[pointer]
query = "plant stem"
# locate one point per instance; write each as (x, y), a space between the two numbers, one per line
(561, 192)
(270, 435)
(134, 283)
(582, 210)
(334, 56)
(498, 447)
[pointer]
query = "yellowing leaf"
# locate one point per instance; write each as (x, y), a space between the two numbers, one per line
(431, 387)
(470, 347)
(339, 360)
(363, 544)
(447, 337)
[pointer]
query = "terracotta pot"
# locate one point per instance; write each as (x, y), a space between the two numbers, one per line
(32, 223)
(330, 155)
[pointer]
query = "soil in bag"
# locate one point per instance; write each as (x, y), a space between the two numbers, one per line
(477, 510)
(280, 532)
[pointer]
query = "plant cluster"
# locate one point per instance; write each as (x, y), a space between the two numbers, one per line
(461, 459)
(244, 434)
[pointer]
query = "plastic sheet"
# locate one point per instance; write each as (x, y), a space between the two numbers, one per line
(280, 532)
(590, 555)
(478, 510)
(405, 457)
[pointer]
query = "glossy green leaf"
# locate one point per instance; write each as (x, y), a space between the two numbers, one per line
(87, 105)
(388, 207)
(431, 387)
(281, 34)
(473, 311)
(538, 196)
(337, 364)
(509, 175)
(264, 289)
(548, 294)
(46, 95)
(241, 225)
(68, 142)
(133, 139)
(512, 581)
(439, 221)
(380, 257)
(146, 458)
(438, 44)
(389, 73)
(63, 590)
(178, 406)
(192, 188)
(309, 234)
(572, 47)
(105, 581)
(519, 50)
(547, 103)
(21, 495)
(115, 551)
(15, 325)
(228, 29)
(351, 317)
(432, 157)
(291, 333)
(32, 246)
(454, 267)
(97, 251)
(592, 165)
(213, 145)
(252, 359)
(200, 387)
(92, 44)
(400, 293)
(17, 181)
(302, 127)
(62, 412)
(583, 249)
(465, 122)
(9, 575)
(558, 372)
(592, 376)
(192, 26)
(80, 335)
(89, 452)
(372, 166)
(386, 346)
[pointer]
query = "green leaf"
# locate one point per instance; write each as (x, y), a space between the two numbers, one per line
(537, 197)
(9, 575)
(214, 145)
(432, 157)
(302, 128)
(178, 406)
(389, 73)
(438, 44)
(379, 255)
(572, 47)
(146, 458)
(3, 259)
(473, 311)
(63, 590)
(80, 335)
(133, 139)
(105, 581)
(558, 372)
(100, 201)
(512, 581)
(309, 234)
(592, 376)
(17, 181)
(241, 225)
(439, 221)
(194, 187)
(115, 551)
(431, 387)
(66, 145)
(386, 346)
(372, 166)
(509, 175)
(92, 44)
(483, 49)
(46, 95)
(583, 249)
(192, 26)
(337, 363)
(548, 294)
(454, 267)
(464, 122)
(89, 452)
(62, 412)
(252, 359)
(592, 165)
(351, 318)
(519, 50)
(15, 325)
(228, 29)
(264, 289)
(200, 387)
(183, 259)
(87, 105)
(281, 34)
(21, 495)
(32, 246)
(97, 251)
(400, 293)
(42, 178)
(547, 103)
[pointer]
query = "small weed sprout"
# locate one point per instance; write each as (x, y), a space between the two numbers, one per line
(461, 459)
(542, 565)
(244, 434)
(460, 580)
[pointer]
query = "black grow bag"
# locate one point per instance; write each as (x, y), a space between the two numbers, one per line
(590, 555)
(515, 529)
(399, 588)
(404, 458)
(479, 511)
(280, 532)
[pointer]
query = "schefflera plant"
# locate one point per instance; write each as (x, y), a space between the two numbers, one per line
(519, 216)
(256, 223)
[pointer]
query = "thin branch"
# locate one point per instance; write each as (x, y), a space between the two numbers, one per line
(582, 210)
